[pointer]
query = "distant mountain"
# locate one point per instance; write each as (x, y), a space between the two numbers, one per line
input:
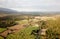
(8, 11)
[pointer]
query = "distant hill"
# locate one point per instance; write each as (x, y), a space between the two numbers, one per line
(7, 11)
(10, 11)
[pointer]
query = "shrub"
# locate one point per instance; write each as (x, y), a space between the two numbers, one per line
(6, 22)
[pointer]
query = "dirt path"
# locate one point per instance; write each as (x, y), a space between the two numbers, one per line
(12, 29)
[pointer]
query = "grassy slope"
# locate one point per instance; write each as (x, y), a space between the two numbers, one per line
(23, 34)
(1, 30)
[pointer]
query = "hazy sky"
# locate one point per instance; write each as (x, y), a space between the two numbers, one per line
(31, 5)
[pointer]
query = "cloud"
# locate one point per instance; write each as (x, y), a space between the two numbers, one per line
(31, 5)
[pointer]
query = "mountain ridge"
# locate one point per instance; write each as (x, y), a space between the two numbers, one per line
(10, 11)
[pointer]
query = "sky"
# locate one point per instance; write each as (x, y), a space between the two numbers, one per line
(31, 5)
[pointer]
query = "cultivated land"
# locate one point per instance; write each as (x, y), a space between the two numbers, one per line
(29, 27)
